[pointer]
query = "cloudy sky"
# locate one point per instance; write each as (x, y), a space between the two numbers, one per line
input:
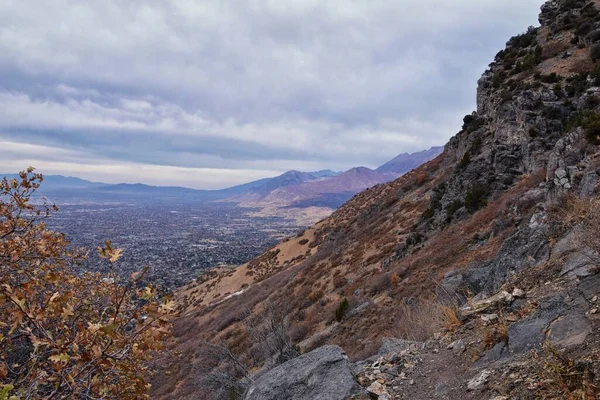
(211, 93)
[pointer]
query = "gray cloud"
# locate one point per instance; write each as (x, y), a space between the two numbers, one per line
(257, 87)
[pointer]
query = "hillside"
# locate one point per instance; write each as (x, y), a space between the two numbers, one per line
(483, 263)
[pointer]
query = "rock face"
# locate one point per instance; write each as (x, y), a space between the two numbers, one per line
(322, 374)
(524, 249)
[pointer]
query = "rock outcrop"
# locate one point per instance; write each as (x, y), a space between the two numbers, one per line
(322, 374)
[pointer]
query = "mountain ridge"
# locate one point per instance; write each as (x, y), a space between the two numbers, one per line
(328, 194)
(305, 197)
(289, 177)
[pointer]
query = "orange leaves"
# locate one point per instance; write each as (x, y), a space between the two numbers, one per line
(147, 293)
(67, 312)
(19, 302)
(168, 305)
(94, 327)
(60, 358)
(54, 296)
(109, 253)
(83, 333)
(137, 275)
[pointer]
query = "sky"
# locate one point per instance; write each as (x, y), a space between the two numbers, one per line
(212, 93)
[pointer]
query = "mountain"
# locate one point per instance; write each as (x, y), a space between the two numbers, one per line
(325, 173)
(473, 276)
(329, 193)
(344, 186)
(286, 195)
(177, 191)
(290, 178)
(58, 182)
(406, 162)
(140, 188)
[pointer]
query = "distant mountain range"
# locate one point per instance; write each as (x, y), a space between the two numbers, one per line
(293, 189)
(334, 190)
(406, 162)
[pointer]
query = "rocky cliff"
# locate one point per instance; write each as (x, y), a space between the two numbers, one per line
(482, 263)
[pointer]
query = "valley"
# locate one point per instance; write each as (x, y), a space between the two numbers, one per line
(178, 241)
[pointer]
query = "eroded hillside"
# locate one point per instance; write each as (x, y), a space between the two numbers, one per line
(501, 210)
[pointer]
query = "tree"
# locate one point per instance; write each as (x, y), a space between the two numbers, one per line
(271, 333)
(65, 334)
(227, 373)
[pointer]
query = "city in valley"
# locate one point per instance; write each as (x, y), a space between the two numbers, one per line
(176, 240)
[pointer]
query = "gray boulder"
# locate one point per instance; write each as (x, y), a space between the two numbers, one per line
(530, 333)
(525, 248)
(322, 374)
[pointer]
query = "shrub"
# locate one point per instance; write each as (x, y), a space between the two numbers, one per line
(342, 309)
(498, 79)
(465, 161)
(303, 242)
(550, 78)
(270, 332)
(467, 120)
(558, 90)
(552, 112)
(531, 60)
(506, 95)
(587, 233)
(472, 122)
(590, 122)
(583, 29)
(64, 334)
(564, 377)
(435, 201)
(591, 101)
(493, 332)
(452, 208)
(577, 84)
(533, 132)
(414, 239)
(379, 283)
(523, 40)
(420, 321)
(589, 11)
(476, 197)
(451, 316)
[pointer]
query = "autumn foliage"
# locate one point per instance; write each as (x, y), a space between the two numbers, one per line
(65, 334)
